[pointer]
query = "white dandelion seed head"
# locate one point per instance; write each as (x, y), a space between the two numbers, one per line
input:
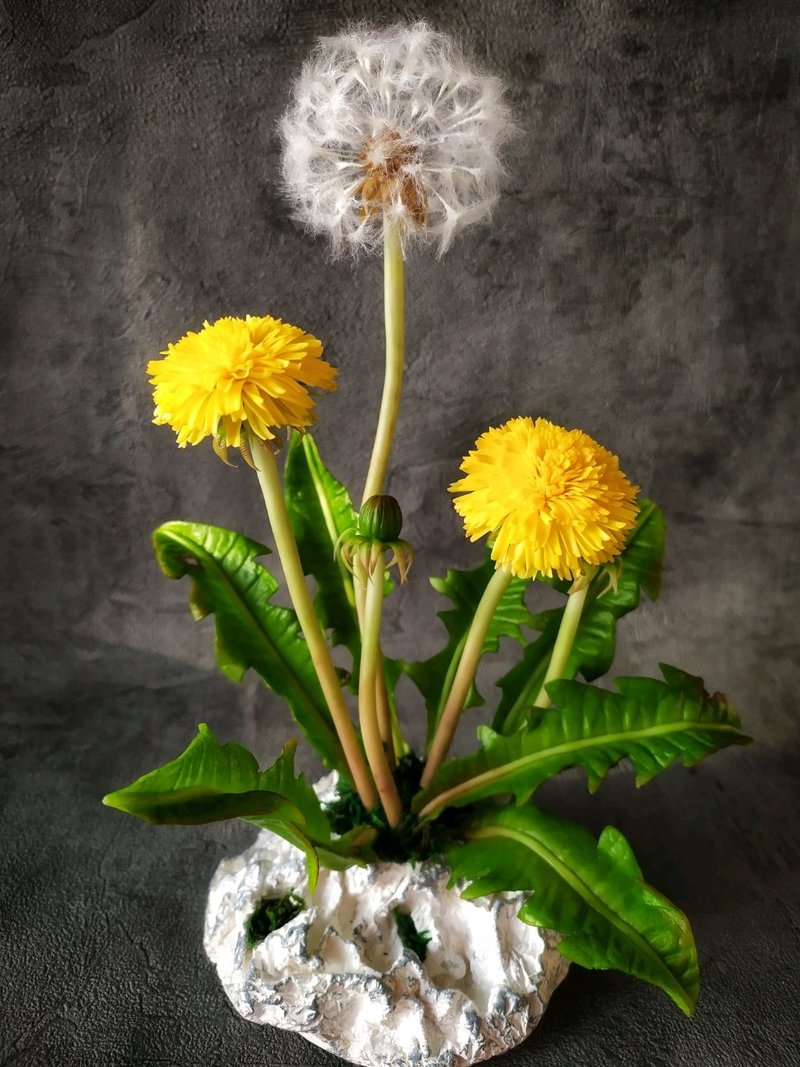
(392, 127)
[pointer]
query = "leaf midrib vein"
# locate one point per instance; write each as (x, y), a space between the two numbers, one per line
(512, 768)
(583, 890)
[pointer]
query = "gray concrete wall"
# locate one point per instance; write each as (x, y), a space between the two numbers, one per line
(639, 280)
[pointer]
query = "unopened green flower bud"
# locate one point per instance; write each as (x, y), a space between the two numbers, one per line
(380, 519)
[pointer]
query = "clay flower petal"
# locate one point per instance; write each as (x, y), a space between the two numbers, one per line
(235, 373)
(552, 499)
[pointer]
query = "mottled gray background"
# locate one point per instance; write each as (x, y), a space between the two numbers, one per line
(640, 280)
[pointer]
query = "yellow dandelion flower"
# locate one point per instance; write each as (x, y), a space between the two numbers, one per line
(235, 373)
(553, 499)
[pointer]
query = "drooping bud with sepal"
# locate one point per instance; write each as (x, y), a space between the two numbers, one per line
(376, 534)
(380, 519)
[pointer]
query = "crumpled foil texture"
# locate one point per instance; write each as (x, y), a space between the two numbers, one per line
(339, 975)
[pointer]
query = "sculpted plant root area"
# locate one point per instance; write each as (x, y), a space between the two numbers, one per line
(339, 975)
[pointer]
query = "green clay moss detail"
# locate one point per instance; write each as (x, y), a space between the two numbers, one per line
(412, 939)
(406, 843)
(270, 915)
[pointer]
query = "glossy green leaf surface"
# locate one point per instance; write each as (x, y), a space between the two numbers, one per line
(228, 581)
(210, 782)
(595, 642)
(589, 891)
(434, 676)
(650, 722)
(321, 510)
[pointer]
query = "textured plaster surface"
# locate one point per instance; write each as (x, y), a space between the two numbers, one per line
(339, 974)
(640, 280)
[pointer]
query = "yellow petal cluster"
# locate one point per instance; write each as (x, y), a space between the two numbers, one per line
(554, 500)
(253, 372)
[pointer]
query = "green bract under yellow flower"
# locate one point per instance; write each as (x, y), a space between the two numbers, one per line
(553, 500)
(235, 373)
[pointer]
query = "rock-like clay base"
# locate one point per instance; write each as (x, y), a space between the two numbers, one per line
(338, 973)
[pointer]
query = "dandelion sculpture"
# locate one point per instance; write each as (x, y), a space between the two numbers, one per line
(392, 137)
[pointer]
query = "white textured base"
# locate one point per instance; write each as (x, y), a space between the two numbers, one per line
(339, 975)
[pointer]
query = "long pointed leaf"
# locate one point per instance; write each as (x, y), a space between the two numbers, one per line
(595, 641)
(250, 632)
(210, 782)
(589, 891)
(649, 722)
(434, 676)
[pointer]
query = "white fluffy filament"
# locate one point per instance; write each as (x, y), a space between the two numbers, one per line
(392, 127)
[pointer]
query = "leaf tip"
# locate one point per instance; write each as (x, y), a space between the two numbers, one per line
(289, 747)
(234, 671)
(117, 801)
(687, 1000)
(312, 868)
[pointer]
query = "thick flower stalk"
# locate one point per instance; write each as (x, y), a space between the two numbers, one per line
(394, 317)
(465, 674)
(375, 741)
(285, 543)
(373, 547)
(238, 381)
(392, 134)
(554, 503)
(392, 128)
(234, 373)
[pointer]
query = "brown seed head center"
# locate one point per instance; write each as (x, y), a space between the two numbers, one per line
(386, 158)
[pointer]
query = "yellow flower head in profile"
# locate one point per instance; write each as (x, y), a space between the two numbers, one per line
(554, 500)
(235, 373)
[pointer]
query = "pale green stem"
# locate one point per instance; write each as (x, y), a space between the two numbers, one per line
(400, 746)
(394, 319)
(450, 674)
(384, 712)
(387, 720)
(465, 675)
(367, 694)
(564, 641)
(361, 596)
(270, 482)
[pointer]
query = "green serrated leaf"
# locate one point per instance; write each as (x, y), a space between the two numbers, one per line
(250, 632)
(595, 641)
(650, 722)
(210, 782)
(590, 892)
(434, 676)
(281, 779)
(619, 851)
(321, 510)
